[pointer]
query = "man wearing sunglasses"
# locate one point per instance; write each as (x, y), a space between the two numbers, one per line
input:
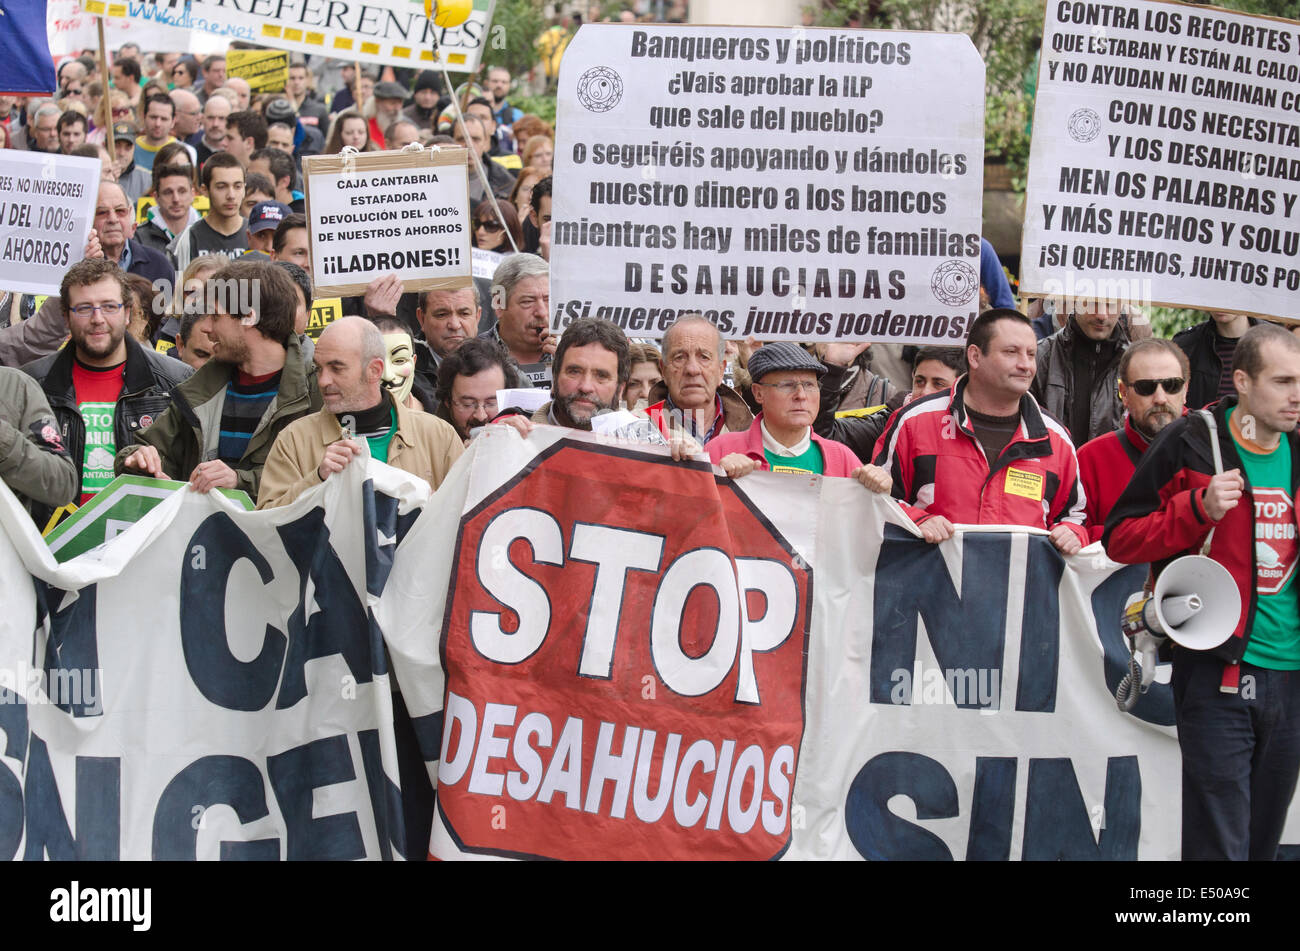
(104, 386)
(1237, 705)
(1152, 388)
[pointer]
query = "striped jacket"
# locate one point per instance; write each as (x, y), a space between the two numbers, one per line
(939, 467)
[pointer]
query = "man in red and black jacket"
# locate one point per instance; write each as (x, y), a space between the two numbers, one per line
(984, 452)
(1238, 705)
(1152, 386)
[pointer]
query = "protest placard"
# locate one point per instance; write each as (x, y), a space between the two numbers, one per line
(47, 207)
(324, 311)
(378, 213)
(1165, 163)
(786, 183)
(395, 32)
(263, 70)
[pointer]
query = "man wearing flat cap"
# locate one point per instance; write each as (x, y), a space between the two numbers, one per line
(781, 438)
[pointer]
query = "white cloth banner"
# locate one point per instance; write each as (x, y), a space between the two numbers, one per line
(222, 692)
(395, 32)
(605, 654)
(1165, 158)
(788, 184)
(71, 30)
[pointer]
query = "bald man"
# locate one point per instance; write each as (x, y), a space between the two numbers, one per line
(349, 361)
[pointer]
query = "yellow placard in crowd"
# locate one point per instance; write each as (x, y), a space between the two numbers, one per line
(263, 70)
(323, 313)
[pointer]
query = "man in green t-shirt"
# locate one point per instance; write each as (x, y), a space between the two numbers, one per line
(1238, 704)
(350, 357)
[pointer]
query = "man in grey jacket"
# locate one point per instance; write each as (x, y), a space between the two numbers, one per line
(1078, 370)
(33, 460)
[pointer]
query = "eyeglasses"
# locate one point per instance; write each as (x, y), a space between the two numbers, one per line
(73, 91)
(790, 387)
(1171, 386)
(123, 111)
(108, 309)
(492, 226)
(471, 405)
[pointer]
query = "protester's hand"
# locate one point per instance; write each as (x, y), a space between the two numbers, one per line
(683, 447)
(842, 354)
(544, 242)
(147, 460)
(876, 479)
(1223, 493)
(93, 249)
(1065, 540)
(214, 474)
(520, 424)
(937, 529)
(337, 456)
(549, 342)
(382, 295)
(737, 465)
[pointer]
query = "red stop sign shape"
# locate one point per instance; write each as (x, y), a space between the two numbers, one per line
(624, 649)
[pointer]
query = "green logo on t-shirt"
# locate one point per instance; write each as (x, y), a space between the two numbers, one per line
(97, 460)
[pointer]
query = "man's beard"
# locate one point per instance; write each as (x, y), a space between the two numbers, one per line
(1151, 429)
(563, 406)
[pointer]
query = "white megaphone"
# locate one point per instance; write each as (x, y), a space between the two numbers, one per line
(1195, 604)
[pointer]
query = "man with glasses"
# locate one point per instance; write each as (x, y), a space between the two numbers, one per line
(781, 438)
(104, 386)
(468, 381)
(1152, 387)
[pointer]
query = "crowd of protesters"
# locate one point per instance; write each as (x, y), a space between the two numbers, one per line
(1074, 423)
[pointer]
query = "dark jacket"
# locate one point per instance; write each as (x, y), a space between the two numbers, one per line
(1198, 343)
(859, 429)
(151, 264)
(189, 430)
(146, 391)
(1054, 382)
(1161, 514)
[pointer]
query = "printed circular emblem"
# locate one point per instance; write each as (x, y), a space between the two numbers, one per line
(146, 421)
(955, 282)
(1084, 125)
(600, 89)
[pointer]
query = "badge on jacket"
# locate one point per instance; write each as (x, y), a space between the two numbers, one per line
(1028, 485)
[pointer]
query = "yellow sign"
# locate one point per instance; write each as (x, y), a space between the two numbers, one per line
(323, 313)
(1028, 485)
(263, 70)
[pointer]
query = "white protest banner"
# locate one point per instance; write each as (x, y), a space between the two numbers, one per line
(395, 32)
(1165, 163)
(71, 29)
(605, 654)
(207, 684)
(47, 208)
(645, 661)
(376, 213)
(787, 183)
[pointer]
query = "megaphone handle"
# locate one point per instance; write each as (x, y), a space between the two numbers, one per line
(1208, 418)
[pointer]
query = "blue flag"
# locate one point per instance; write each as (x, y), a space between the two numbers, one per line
(26, 67)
